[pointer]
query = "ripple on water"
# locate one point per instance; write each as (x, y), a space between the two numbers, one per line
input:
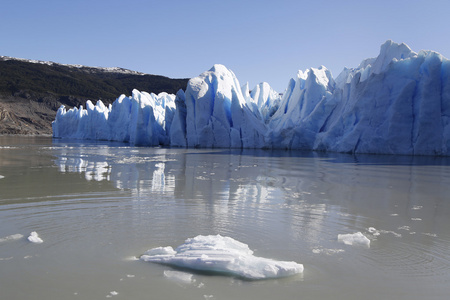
(413, 256)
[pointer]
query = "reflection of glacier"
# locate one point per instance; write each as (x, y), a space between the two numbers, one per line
(97, 171)
(308, 197)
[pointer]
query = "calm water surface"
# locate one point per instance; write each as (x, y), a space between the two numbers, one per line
(99, 205)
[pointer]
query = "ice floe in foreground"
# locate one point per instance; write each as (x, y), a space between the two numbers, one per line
(354, 239)
(224, 255)
(34, 238)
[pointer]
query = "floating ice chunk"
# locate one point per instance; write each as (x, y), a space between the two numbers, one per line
(1, 177)
(112, 293)
(178, 276)
(11, 237)
(34, 238)
(327, 251)
(376, 232)
(354, 239)
(6, 258)
(430, 234)
(373, 231)
(225, 255)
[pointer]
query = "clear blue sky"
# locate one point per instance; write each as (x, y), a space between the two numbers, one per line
(258, 40)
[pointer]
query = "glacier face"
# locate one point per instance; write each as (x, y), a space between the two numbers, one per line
(396, 103)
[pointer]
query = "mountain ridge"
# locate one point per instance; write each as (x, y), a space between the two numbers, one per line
(31, 91)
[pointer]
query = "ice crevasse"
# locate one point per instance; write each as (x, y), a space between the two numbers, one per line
(395, 103)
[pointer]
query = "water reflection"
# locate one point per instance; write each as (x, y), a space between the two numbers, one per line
(306, 190)
(298, 200)
(97, 203)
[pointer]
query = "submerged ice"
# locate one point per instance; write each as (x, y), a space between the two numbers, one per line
(11, 237)
(395, 103)
(222, 255)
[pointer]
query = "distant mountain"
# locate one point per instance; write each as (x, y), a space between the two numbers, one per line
(31, 91)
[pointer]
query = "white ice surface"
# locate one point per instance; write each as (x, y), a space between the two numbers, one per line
(395, 103)
(223, 255)
(1, 176)
(354, 239)
(34, 238)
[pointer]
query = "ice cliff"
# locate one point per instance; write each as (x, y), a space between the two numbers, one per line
(396, 103)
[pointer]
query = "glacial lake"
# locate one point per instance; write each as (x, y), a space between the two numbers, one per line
(98, 206)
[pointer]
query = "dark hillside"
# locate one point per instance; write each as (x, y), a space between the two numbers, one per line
(31, 93)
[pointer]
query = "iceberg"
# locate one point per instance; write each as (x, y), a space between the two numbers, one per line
(222, 255)
(34, 238)
(395, 103)
(354, 239)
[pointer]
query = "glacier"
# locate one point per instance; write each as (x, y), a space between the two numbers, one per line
(223, 255)
(395, 103)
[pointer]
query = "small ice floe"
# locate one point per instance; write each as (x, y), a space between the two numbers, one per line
(354, 239)
(34, 238)
(430, 234)
(327, 251)
(6, 258)
(178, 276)
(1, 177)
(416, 219)
(222, 255)
(375, 232)
(417, 207)
(11, 237)
(112, 293)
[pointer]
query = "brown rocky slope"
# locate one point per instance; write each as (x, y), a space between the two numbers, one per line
(32, 91)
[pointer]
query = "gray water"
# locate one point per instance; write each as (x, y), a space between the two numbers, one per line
(98, 206)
